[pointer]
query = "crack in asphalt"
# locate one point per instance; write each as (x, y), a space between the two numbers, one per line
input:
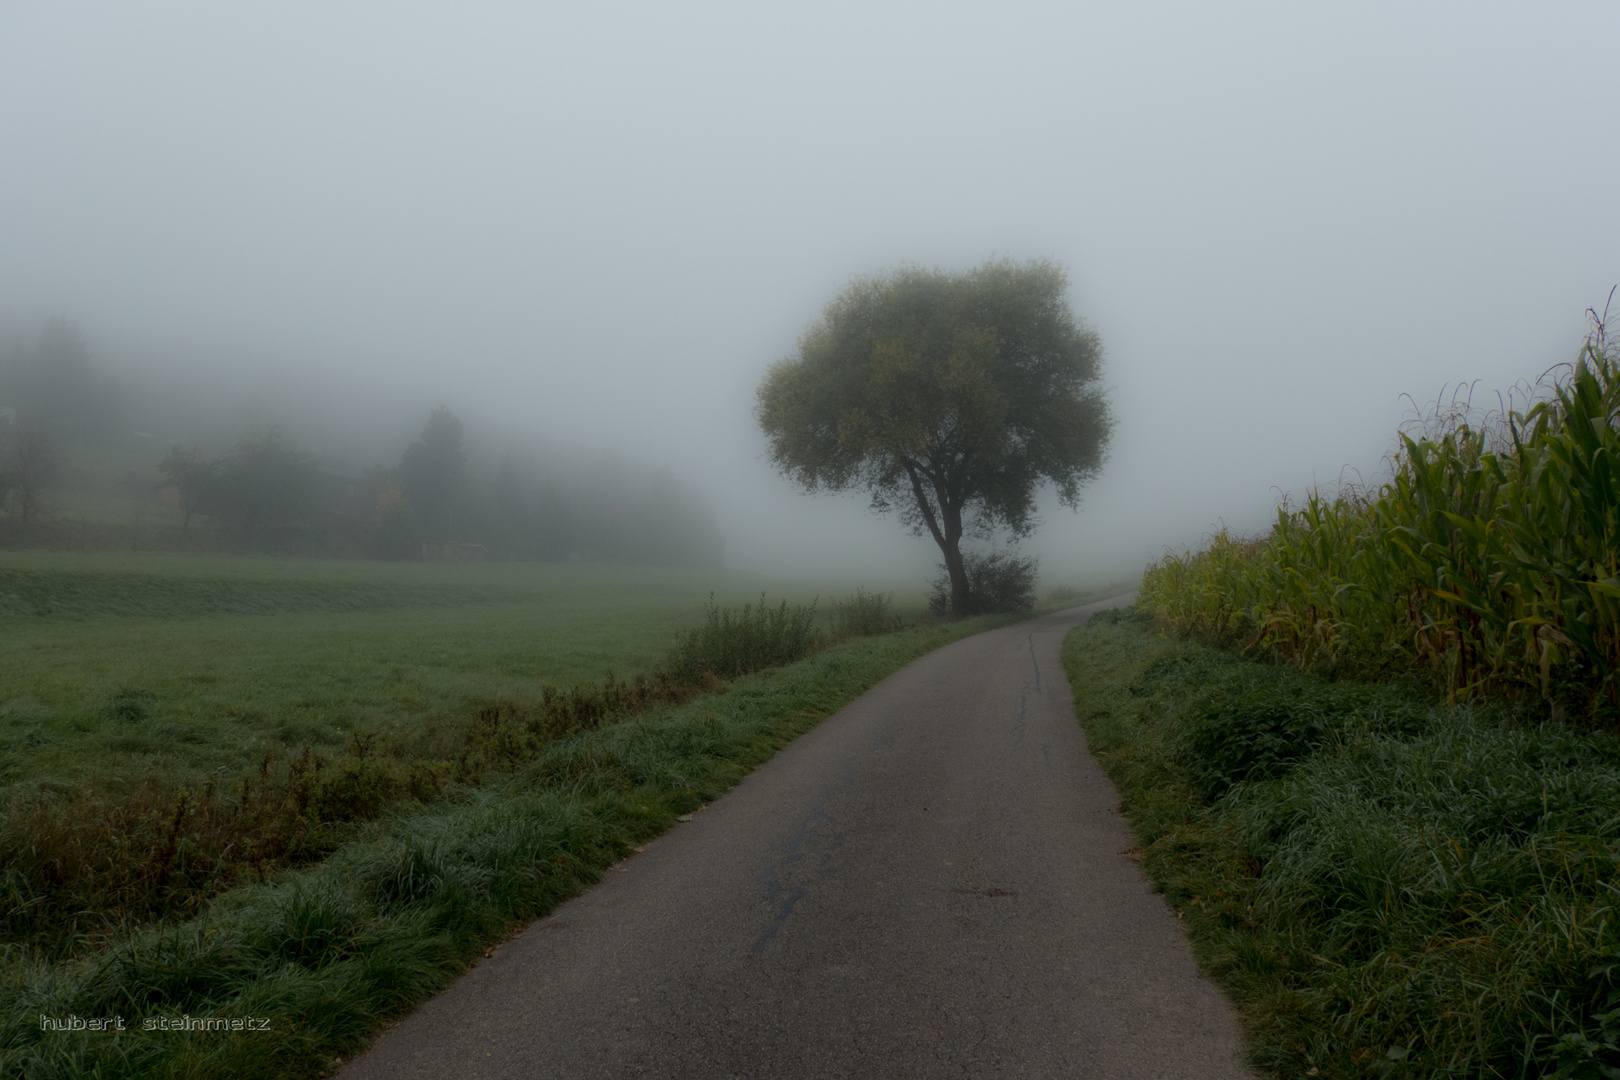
(794, 852)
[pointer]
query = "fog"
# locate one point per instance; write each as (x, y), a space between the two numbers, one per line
(600, 224)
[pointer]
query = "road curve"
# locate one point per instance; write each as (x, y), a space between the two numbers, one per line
(929, 884)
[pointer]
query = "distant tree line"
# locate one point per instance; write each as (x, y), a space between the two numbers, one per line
(267, 493)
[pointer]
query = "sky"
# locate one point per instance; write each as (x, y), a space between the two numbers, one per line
(1289, 224)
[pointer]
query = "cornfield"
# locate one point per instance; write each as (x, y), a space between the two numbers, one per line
(1489, 561)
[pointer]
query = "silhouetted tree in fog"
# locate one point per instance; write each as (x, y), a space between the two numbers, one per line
(33, 466)
(264, 483)
(193, 476)
(431, 472)
(56, 384)
(950, 397)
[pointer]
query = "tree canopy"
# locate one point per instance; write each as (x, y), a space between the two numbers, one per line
(949, 397)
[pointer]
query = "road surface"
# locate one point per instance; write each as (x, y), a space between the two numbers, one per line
(929, 884)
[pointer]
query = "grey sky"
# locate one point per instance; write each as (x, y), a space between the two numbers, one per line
(604, 221)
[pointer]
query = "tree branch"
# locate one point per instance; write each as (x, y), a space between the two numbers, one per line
(923, 505)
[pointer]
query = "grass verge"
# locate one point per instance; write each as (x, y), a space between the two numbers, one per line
(1383, 886)
(325, 955)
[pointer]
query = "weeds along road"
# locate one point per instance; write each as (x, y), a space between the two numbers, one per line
(930, 883)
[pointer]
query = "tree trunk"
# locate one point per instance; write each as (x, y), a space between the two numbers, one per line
(945, 527)
(957, 569)
(961, 594)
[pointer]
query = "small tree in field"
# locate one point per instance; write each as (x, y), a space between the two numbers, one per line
(949, 397)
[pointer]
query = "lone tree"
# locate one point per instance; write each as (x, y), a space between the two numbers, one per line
(949, 397)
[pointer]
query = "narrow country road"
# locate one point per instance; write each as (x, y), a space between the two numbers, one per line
(929, 884)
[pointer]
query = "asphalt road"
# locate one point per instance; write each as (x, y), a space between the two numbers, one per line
(929, 884)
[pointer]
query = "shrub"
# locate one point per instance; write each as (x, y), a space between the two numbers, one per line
(1256, 722)
(864, 615)
(731, 642)
(996, 582)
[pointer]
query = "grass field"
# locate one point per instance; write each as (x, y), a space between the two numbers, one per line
(226, 656)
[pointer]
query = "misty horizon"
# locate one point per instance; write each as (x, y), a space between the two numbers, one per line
(597, 230)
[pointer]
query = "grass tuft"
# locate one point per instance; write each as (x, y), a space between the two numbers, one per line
(129, 705)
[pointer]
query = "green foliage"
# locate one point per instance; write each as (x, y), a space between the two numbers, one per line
(733, 642)
(951, 397)
(1385, 887)
(864, 614)
(1254, 729)
(1490, 561)
(995, 582)
(263, 487)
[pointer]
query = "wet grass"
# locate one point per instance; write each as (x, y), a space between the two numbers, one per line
(1384, 886)
(231, 658)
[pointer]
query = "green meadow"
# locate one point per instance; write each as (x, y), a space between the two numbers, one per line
(113, 667)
